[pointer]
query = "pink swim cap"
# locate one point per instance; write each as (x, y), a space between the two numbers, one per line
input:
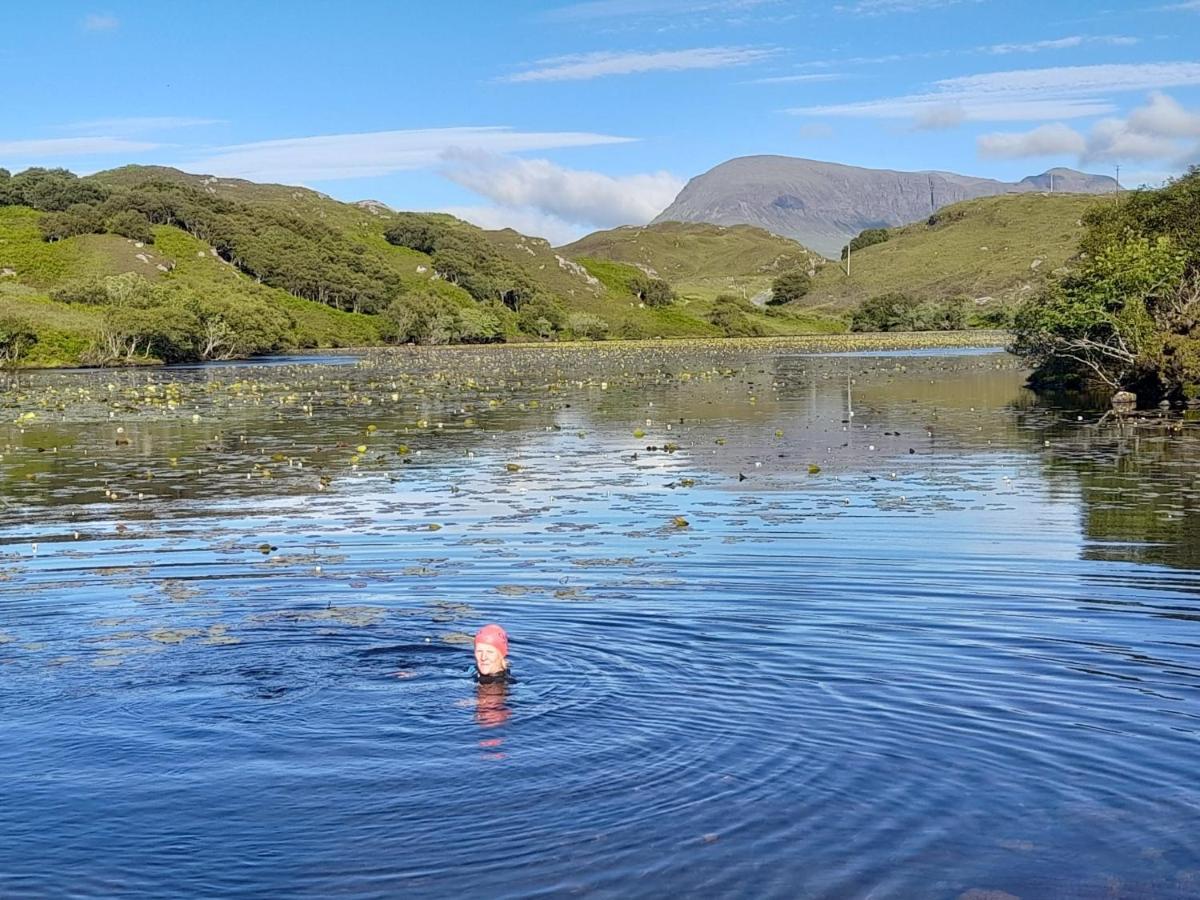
(493, 635)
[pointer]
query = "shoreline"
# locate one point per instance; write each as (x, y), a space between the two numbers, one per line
(839, 342)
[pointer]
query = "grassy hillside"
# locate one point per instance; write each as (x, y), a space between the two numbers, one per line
(144, 264)
(700, 260)
(994, 251)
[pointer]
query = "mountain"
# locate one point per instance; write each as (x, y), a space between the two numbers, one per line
(993, 251)
(697, 258)
(823, 205)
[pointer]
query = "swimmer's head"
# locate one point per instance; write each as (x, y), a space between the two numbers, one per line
(491, 650)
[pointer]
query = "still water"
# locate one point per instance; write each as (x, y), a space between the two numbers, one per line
(912, 634)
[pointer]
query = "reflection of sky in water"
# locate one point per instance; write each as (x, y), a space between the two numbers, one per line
(910, 674)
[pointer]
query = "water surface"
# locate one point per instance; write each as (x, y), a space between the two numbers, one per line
(919, 635)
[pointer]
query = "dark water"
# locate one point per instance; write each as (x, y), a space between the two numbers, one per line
(964, 655)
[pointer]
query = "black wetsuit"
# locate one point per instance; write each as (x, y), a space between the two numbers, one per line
(505, 677)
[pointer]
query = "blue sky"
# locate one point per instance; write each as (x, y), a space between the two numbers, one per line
(561, 117)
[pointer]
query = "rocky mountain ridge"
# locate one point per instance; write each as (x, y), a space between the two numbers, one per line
(823, 205)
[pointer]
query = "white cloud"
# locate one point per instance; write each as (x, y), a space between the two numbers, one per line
(976, 110)
(1188, 6)
(141, 124)
(337, 156)
(101, 22)
(586, 66)
(568, 194)
(935, 118)
(1112, 140)
(798, 79)
(527, 221)
(1075, 40)
(80, 146)
(1062, 92)
(1153, 132)
(1048, 140)
(1165, 117)
(1075, 80)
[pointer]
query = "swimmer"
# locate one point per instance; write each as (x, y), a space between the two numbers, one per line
(491, 655)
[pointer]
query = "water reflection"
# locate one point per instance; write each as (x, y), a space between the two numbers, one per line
(949, 659)
(491, 706)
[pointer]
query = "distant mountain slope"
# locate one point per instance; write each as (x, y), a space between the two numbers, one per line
(698, 258)
(823, 205)
(991, 250)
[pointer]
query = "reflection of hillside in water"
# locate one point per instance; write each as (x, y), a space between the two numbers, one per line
(842, 413)
(270, 433)
(1138, 486)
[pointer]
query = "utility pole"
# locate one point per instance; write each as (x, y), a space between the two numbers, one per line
(1052, 182)
(1118, 184)
(847, 260)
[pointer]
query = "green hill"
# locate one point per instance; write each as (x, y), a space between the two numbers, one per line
(150, 264)
(699, 259)
(994, 251)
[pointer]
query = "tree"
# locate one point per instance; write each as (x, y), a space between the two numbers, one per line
(541, 316)
(865, 239)
(654, 292)
(414, 232)
(789, 287)
(587, 326)
(79, 218)
(1130, 317)
(893, 311)
(729, 313)
(16, 337)
(131, 224)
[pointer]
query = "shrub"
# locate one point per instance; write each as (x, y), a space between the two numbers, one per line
(131, 224)
(893, 311)
(16, 337)
(789, 287)
(587, 326)
(870, 236)
(77, 219)
(84, 291)
(729, 313)
(654, 292)
(542, 317)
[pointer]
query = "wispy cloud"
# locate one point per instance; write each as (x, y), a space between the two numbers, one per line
(798, 79)
(586, 66)
(622, 9)
(100, 22)
(527, 221)
(886, 7)
(569, 194)
(1063, 92)
(339, 156)
(1047, 140)
(141, 124)
(1158, 131)
(1063, 43)
(39, 148)
(937, 118)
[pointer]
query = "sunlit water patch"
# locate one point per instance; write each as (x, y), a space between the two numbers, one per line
(783, 625)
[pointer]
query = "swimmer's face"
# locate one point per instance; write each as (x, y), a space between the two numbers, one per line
(488, 659)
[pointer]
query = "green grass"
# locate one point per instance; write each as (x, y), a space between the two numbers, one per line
(701, 261)
(980, 248)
